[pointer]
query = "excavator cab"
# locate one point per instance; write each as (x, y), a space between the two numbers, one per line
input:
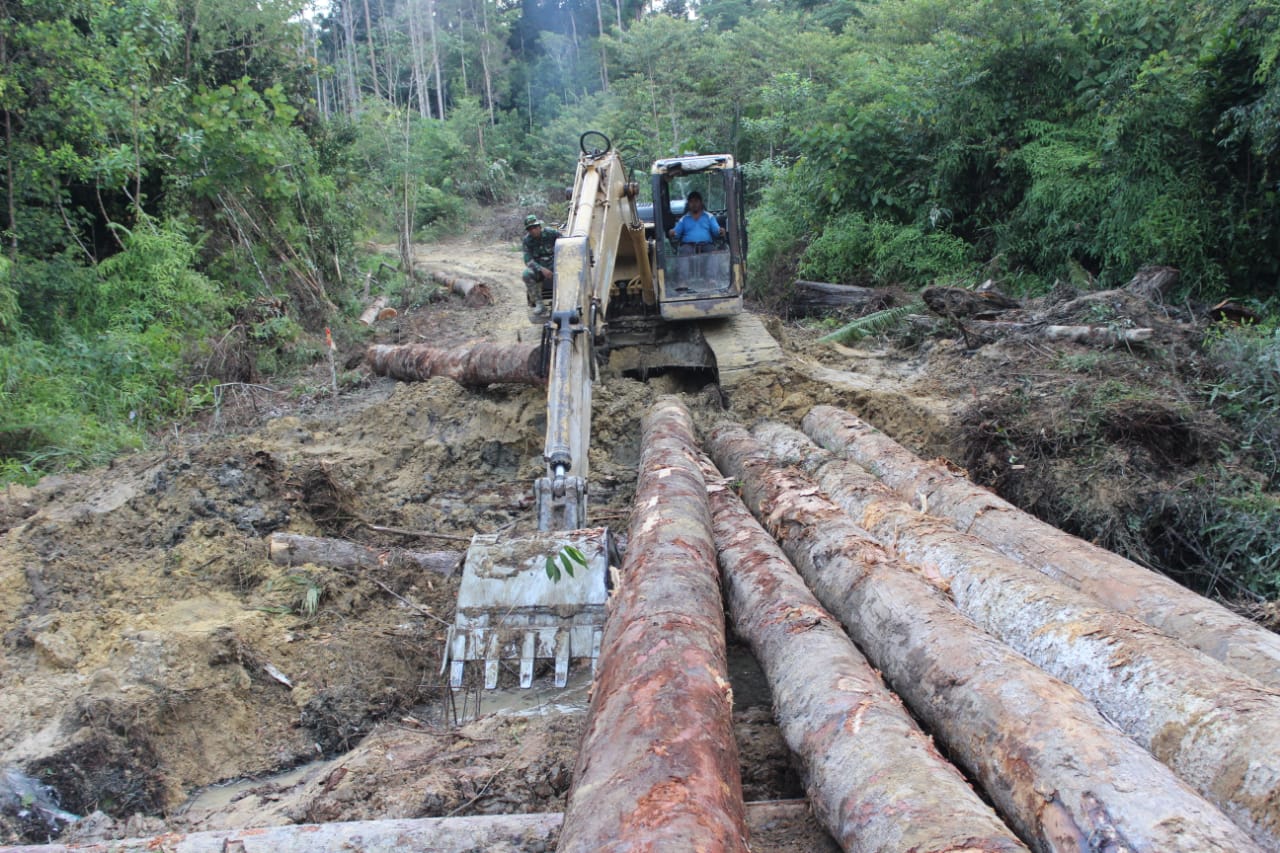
(704, 280)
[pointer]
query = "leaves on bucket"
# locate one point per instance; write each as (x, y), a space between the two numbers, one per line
(562, 562)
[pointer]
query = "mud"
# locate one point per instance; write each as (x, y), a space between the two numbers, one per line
(152, 651)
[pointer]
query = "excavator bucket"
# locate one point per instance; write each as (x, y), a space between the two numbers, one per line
(512, 607)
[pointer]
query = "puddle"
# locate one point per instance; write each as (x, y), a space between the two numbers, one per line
(223, 794)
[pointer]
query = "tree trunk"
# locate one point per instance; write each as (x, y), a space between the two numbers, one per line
(349, 57)
(1154, 283)
(658, 766)
(1102, 336)
(1058, 771)
(475, 293)
(818, 297)
(477, 364)
(1109, 578)
(435, 59)
(485, 47)
(374, 313)
(1215, 728)
(516, 833)
(373, 54)
(875, 780)
(291, 549)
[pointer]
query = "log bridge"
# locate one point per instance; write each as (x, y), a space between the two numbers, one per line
(964, 679)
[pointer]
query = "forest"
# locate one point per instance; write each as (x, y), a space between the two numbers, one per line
(191, 188)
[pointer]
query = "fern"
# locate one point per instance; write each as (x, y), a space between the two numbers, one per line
(876, 323)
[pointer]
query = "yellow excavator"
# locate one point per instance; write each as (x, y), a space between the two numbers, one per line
(626, 299)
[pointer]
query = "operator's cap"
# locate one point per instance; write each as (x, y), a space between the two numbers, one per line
(531, 221)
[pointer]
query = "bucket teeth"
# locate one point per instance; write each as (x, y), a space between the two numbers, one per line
(510, 609)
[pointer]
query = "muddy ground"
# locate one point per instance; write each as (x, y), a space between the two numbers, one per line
(159, 672)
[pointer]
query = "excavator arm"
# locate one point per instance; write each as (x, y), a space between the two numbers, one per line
(603, 227)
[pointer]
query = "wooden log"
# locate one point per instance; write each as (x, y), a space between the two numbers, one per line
(1112, 580)
(291, 549)
(658, 766)
(819, 297)
(475, 293)
(1216, 728)
(1054, 767)
(1102, 336)
(875, 780)
(377, 310)
(958, 302)
(477, 364)
(518, 833)
(507, 833)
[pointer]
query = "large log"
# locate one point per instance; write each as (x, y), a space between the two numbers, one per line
(477, 364)
(819, 297)
(291, 549)
(1216, 728)
(875, 780)
(475, 293)
(1062, 775)
(1102, 336)
(521, 833)
(1111, 579)
(658, 766)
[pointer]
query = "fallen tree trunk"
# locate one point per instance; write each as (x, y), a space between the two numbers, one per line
(819, 297)
(658, 765)
(1102, 336)
(1062, 776)
(477, 364)
(875, 780)
(377, 310)
(291, 549)
(518, 833)
(1109, 578)
(1214, 727)
(475, 293)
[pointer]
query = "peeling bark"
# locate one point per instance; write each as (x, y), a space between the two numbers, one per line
(291, 549)
(875, 780)
(1215, 728)
(658, 766)
(477, 364)
(1052, 765)
(1109, 578)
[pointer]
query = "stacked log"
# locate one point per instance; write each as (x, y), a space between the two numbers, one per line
(477, 364)
(874, 779)
(291, 549)
(1107, 577)
(1062, 776)
(1217, 729)
(658, 765)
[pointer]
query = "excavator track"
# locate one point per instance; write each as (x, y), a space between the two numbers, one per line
(741, 344)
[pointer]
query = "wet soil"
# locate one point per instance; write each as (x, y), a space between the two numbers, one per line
(153, 653)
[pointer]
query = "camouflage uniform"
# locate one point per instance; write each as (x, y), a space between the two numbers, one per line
(538, 253)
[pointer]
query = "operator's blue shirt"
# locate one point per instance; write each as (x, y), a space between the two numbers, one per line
(701, 230)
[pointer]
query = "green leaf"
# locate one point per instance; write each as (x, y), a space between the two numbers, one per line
(553, 571)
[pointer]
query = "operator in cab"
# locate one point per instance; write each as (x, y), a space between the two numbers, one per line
(697, 230)
(539, 247)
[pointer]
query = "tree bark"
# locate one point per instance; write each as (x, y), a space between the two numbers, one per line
(1102, 336)
(1154, 283)
(477, 364)
(475, 293)
(374, 313)
(491, 833)
(818, 297)
(290, 549)
(875, 780)
(1215, 728)
(658, 766)
(1058, 771)
(1109, 578)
